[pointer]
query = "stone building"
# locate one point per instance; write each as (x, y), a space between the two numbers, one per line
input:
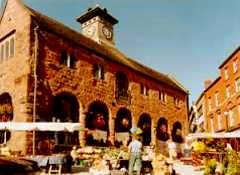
(49, 72)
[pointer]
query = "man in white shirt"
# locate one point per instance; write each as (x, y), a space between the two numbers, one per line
(135, 151)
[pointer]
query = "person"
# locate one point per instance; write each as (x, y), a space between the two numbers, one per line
(135, 151)
(75, 155)
(228, 147)
(172, 149)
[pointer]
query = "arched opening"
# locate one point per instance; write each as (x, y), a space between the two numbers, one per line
(6, 114)
(97, 124)
(162, 129)
(177, 132)
(145, 124)
(66, 109)
(123, 124)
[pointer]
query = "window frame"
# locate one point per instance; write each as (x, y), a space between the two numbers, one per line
(235, 66)
(7, 47)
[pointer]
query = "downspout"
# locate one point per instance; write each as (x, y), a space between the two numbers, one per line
(36, 47)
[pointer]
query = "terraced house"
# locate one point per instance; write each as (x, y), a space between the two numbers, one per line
(50, 72)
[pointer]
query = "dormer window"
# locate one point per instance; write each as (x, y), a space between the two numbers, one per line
(98, 72)
(144, 90)
(162, 96)
(68, 60)
(176, 101)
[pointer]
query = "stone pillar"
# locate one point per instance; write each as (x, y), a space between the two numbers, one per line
(111, 129)
(82, 138)
(153, 133)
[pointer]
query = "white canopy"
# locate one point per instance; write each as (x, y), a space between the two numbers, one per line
(40, 126)
(233, 134)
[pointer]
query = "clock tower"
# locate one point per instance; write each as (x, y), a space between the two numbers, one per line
(97, 24)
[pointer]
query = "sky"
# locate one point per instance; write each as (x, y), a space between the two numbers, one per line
(187, 39)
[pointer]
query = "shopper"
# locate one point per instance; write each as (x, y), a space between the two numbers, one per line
(135, 151)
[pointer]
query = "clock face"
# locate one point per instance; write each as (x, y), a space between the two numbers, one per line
(107, 32)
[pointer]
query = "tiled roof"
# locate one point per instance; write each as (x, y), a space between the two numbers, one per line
(104, 50)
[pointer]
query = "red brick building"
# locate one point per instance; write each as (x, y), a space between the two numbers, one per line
(222, 96)
(50, 72)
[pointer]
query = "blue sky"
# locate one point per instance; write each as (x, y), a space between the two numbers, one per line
(188, 39)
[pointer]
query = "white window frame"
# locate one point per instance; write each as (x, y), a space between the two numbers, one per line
(163, 96)
(5, 53)
(217, 99)
(237, 84)
(212, 124)
(219, 120)
(235, 66)
(209, 104)
(228, 91)
(231, 118)
(226, 73)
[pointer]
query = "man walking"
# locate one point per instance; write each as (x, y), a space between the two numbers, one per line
(135, 151)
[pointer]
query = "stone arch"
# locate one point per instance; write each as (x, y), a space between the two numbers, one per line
(97, 123)
(6, 114)
(177, 132)
(123, 121)
(123, 124)
(162, 129)
(145, 123)
(65, 108)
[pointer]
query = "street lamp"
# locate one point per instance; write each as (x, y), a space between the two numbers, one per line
(226, 116)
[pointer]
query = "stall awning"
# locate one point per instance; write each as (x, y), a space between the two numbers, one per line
(40, 126)
(233, 134)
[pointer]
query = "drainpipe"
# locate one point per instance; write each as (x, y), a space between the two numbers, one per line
(36, 47)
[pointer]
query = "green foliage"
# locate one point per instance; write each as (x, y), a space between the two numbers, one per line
(211, 166)
(199, 146)
(232, 163)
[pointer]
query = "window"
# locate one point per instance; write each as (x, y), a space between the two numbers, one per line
(212, 124)
(12, 47)
(228, 92)
(237, 84)
(122, 85)
(144, 89)
(176, 101)
(219, 118)
(209, 104)
(216, 99)
(226, 73)
(7, 48)
(235, 66)
(1, 53)
(68, 60)
(162, 96)
(98, 72)
(231, 118)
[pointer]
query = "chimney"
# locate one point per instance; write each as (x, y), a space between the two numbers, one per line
(98, 25)
(207, 83)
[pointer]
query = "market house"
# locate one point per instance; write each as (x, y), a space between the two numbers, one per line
(52, 73)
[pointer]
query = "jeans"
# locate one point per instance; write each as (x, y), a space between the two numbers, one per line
(135, 163)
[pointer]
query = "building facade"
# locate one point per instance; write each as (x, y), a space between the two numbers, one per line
(51, 73)
(222, 97)
(197, 116)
